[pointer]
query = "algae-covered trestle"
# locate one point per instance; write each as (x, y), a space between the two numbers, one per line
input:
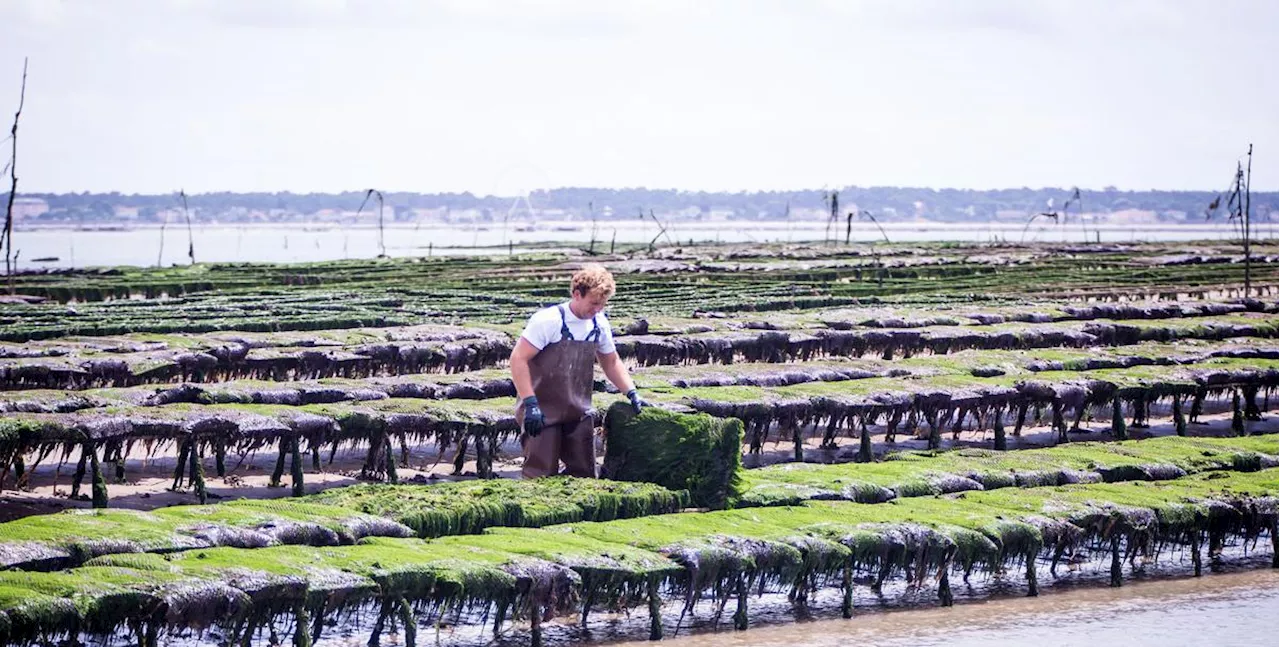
(702, 560)
(361, 372)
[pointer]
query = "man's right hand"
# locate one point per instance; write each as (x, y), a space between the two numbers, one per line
(533, 419)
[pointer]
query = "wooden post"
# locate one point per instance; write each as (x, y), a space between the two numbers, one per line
(1195, 551)
(1033, 585)
(1000, 443)
(1237, 415)
(1251, 410)
(278, 473)
(846, 585)
(957, 425)
(935, 434)
(944, 587)
(1118, 429)
(740, 615)
(80, 465)
(317, 623)
(535, 625)
(1275, 544)
(798, 439)
(891, 426)
(1020, 420)
(1116, 572)
(409, 621)
(499, 617)
(371, 458)
(1197, 404)
(99, 482)
(1140, 411)
(220, 457)
(151, 637)
(485, 443)
(460, 458)
(197, 472)
(655, 609)
(864, 444)
(113, 452)
(302, 625)
(184, 446)
(295, 465)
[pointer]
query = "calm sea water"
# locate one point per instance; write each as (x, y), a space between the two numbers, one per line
(302, 243)
(1235, 610)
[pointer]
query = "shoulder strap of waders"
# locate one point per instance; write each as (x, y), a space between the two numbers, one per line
(564, 326)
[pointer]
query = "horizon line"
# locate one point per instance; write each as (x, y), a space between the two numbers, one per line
(1106, 189)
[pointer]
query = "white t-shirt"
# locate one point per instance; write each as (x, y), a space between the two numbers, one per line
(544, 328)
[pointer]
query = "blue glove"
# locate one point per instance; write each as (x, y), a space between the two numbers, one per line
(533, 419)
(636, 402)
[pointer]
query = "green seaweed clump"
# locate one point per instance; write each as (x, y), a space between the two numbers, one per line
(697, 453)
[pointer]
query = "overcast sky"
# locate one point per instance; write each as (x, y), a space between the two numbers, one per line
(499, 96)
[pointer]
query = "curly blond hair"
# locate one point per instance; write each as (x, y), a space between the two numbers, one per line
(592, 278)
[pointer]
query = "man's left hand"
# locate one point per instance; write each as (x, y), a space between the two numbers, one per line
(636, 403)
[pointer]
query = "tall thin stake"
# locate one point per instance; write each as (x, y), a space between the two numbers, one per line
(163, 223)
(834, 202)
(868, 215)
(382, 246)
(591, 208)
(7, 241)
(191, 240)
(382, 240)
(1247, 180)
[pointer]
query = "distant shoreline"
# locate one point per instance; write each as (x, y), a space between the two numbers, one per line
(605, 226)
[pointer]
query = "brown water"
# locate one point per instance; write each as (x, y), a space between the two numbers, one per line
(1229, 610)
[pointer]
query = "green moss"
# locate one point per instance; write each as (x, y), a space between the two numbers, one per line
(911, 474)
(468, 507)
(81, 535)
(696, 453)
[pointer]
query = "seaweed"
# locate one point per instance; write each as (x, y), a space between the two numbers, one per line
(695, 453)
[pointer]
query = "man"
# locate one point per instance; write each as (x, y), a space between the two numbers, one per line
(553, 366)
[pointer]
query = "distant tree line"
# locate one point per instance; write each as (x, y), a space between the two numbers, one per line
(888, 203)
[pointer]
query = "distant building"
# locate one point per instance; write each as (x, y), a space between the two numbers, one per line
(464, 215)
(423, 214)
(1133, 217)
(29, 208)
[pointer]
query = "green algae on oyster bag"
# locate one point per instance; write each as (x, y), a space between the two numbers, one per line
(697, 453)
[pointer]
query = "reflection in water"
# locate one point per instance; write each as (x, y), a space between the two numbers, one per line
(1236, 610)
